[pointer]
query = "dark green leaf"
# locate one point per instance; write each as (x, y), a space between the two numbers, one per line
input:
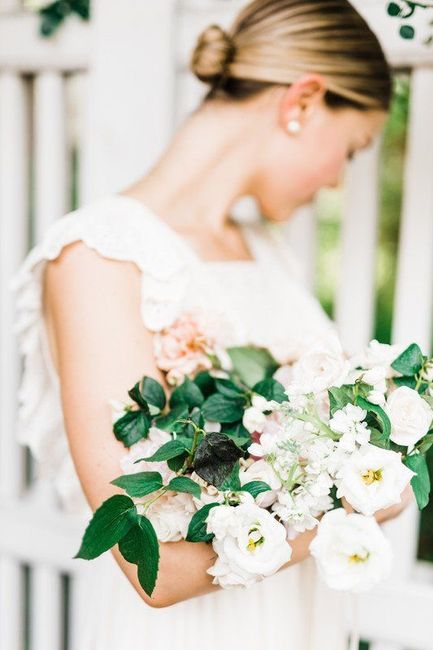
(188, 394)
(175, 464)
(215, 457)
(185, 484)
(410, 361)
(229, 388)
(407, 32)
(197, 525)
(218, 408)
(170, 449)
(405, 381)
(425, 443)
(271, 389)
(380, 414)
(256, 487)
(252, 364)
(132, 427)
(379, 439)
(140, 484)
(205, 382)
(421, 481)
(140, 546)
(237, 432)
(110, 522)
(168, 422)
(340, 397)
(393, 9)
(152, 391)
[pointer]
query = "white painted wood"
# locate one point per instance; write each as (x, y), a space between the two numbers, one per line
(13, 244)
(21, 47)
(7, 6)
(50, 156)
(355, 290)
(46, 608)
(131, 91)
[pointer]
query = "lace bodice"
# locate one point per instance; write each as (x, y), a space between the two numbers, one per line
(262, 302)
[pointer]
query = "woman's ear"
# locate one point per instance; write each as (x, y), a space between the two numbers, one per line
(299, 99)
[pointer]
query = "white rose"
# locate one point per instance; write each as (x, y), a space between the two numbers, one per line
(323, 366)
(170, 516)
(260, 470)
(147, 447)
(249, 542)
(410, 415)
(351, 551)
(253, 420)
(372, 478)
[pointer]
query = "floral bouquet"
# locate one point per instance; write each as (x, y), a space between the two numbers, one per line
(246, 455)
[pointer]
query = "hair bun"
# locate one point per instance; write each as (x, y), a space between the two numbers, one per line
(212, 54)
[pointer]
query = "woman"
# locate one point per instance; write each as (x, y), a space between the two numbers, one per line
(296, 88)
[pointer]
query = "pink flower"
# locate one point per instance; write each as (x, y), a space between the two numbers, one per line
(184, 348)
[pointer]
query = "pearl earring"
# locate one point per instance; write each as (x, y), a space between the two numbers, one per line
(293, 126)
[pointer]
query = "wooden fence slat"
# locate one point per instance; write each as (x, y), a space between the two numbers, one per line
(50, 157)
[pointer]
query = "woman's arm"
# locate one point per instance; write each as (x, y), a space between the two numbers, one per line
(92, 306)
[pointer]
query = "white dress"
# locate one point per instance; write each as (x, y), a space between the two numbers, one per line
(264, 303)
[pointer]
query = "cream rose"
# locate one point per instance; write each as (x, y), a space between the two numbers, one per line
(323, 366)
(170, 516)
(260, 470)
(411, 417)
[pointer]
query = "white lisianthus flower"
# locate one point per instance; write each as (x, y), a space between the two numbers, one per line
(372, 478)
(253, 420)
(260, 470)
(170, 516)
(249, 542)
(349, 421)
(351, 551)
(147, 447)
(411, 417)
(37, 5)
(323, 366)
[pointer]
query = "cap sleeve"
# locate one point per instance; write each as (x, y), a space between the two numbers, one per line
(116, 229)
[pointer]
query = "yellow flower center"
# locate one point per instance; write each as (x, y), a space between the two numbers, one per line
(356, 559)
(372, 475)
(255, 539)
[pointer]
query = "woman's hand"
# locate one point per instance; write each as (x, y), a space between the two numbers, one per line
(386, 514)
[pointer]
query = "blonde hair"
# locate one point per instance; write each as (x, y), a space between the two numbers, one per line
(278, 41)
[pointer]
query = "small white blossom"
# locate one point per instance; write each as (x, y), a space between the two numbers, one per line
(260, 470)
(253, 420)
(349, 422)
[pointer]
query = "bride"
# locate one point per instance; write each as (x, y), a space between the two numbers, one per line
(295, 89)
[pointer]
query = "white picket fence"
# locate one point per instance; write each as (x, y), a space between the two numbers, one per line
(114, 90)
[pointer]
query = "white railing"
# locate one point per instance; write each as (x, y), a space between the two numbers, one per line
(128, 102)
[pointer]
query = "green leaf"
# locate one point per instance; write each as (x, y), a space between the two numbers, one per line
(405, 381)
(410, 361)
(393, 9)
(140, 546)
(188, 394)
(237, 432)
(340, 397)
(110, 522)
(421, 481)
(380, 414)
(232, 482)
(185, 484)
(176, 463)
(229, 389)
(252, 364)
(152, 391)
(271, 389)
(197, 525)
(132, 427)
(218, 408)
(256, 487)
(168, 422)
(407, 32)
(170, 449)
(215, 458)
(425, 443)
(205, 382)
(379, 439)
(139, 484)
